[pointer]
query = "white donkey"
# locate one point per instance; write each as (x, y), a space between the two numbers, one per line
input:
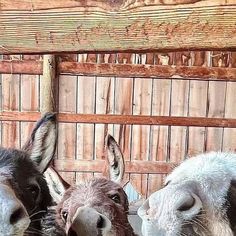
(199, 198)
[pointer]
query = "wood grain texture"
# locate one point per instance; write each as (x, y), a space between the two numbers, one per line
(124, 119)
(122, 70)
(138, 167)
(69, 26)
(47, 93)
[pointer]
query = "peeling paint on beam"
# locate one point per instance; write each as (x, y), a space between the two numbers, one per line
(123, 70)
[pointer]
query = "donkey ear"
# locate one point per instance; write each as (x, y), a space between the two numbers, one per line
(42, 143)
(56, 184)
(115, 160)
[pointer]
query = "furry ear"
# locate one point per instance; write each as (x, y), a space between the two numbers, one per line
(42, 143)
(115, 160)
(56, 184)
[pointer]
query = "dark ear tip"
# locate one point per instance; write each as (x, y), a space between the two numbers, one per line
(110, 140)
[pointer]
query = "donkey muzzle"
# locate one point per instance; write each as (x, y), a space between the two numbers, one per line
(14, 219)
(88, 222)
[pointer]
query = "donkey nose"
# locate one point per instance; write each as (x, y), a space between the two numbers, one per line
(189, 205)
(17, 213)
(87, 221)
(13, 216)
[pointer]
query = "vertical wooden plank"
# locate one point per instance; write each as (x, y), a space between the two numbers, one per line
(216, 108)
(179, 107)
(10, 102)
(104, 105)
(85, 132)
(141, 134)
(216, 101)
(67, 131)
(155, 182)
(159, 134)
(139, 181)
(123, 106)
(229, 138)
(1, 96)
(29, 90)
(160, 107)
(230, 111)
(197, 108)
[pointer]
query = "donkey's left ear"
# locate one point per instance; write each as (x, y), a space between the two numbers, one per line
(115, 160)
(56, 184)
(42, 143)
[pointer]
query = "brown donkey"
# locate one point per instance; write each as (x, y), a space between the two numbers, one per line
(98, 207)
(24, 195)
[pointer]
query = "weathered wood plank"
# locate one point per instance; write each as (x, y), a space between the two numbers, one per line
(122, 70)
(138, 167)
(68, 26)
(216, 105)
(124, 119)
(179, 107)
(197, 107)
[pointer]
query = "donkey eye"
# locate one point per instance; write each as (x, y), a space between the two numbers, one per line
(64, 215)
(116, 198)
(34, 190)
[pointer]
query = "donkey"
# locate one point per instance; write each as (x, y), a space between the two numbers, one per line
(199, 198)
(97, 207)
(24, 195)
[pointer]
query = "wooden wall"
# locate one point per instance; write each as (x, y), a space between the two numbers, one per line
(172, 96)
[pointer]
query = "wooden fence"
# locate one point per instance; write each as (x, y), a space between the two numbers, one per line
(182, 106)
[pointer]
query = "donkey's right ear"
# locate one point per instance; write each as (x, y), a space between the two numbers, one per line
(42, 143)
(115, 160)
(56, 184)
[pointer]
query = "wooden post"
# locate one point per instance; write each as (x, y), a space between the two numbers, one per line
(48, 84)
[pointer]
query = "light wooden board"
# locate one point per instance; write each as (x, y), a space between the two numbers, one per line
(63, 26)
(197, 108)
(10, 102)
(85, 132)
(66, 131)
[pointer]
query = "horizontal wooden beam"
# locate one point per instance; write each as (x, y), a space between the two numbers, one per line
(123, 70)
(30, 67)
(139, 167)
(43, 26)
(149, 71)
(124, 119)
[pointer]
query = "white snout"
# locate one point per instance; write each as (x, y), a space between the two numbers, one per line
(14, 219)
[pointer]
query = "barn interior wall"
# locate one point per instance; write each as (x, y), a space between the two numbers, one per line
(128, 96)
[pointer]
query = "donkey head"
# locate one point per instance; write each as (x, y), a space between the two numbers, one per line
(24, 195)
(199, 199)
(99, 206)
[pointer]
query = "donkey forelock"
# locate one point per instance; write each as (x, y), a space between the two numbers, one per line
(24, 195)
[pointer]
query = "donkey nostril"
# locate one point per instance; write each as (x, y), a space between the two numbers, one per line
(187, 205)
(18, 214)
(100, 223)
(72, 233)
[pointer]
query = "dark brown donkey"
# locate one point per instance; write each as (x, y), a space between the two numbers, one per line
(24, 195)
(98, 207)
